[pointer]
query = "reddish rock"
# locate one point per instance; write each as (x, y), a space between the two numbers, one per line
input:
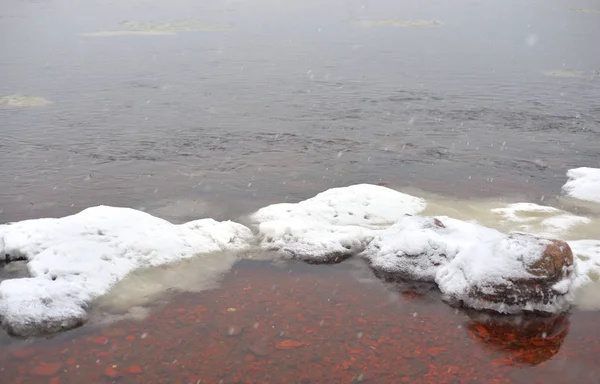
(111, 372)
(555, 264)
(135, 370)
(46, 369)
(22, 353)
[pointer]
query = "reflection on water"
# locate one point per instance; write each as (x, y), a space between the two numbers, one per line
(529, 340)
(267, 323)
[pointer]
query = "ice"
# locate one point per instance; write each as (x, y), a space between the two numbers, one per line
(334, 224)
(416, 247)
(540, 219)
(74, 259)
(584, 184)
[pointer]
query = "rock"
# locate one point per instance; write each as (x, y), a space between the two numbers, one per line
(134, 370)
(555, 265)
(111, 372)
(46, 369)
(290, 344)
(513, 274)
(417, 246)
(234, 330)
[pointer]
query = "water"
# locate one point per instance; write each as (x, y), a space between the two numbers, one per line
(270, 101)
(295, 98)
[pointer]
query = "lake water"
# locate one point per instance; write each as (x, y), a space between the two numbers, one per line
(190, 109)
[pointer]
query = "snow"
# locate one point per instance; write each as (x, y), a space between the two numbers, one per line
(74, 259)
(587, 254)
(416, 247)
(487, 268)
(583, 184)
(334, 224)
(466, 260)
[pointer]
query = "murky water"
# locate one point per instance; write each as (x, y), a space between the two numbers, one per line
(242, 103)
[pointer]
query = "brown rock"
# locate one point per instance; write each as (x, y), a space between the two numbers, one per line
(46, 369)
(557, 259)
(555, 264)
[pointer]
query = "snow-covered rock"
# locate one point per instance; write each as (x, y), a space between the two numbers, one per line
(519, 272)
(476, 266)
(583, 184)
(74, 259)
(334, 224)
(416, 247)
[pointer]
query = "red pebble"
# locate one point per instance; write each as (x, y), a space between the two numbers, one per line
(111, 372)
(46, 369)
(135, 370)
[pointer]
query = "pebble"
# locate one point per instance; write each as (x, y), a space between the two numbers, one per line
(46, 369)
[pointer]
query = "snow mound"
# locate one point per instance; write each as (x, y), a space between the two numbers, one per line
(334, 224)
(74, 259)
(583, 184)
(416, 247)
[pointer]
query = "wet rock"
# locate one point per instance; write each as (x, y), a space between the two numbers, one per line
(412, 249)
(46, 369)
(234, 330)
(550, 276)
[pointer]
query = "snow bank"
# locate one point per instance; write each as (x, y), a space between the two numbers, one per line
(74, 259)
(583, 184)
(334, 224)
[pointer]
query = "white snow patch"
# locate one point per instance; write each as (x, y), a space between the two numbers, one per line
(74, 259)
(583, 184)
(336, 223)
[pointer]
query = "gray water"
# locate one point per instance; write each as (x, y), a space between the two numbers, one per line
(269, 101)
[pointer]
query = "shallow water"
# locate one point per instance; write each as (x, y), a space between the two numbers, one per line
(293, 98)
(270, 323)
